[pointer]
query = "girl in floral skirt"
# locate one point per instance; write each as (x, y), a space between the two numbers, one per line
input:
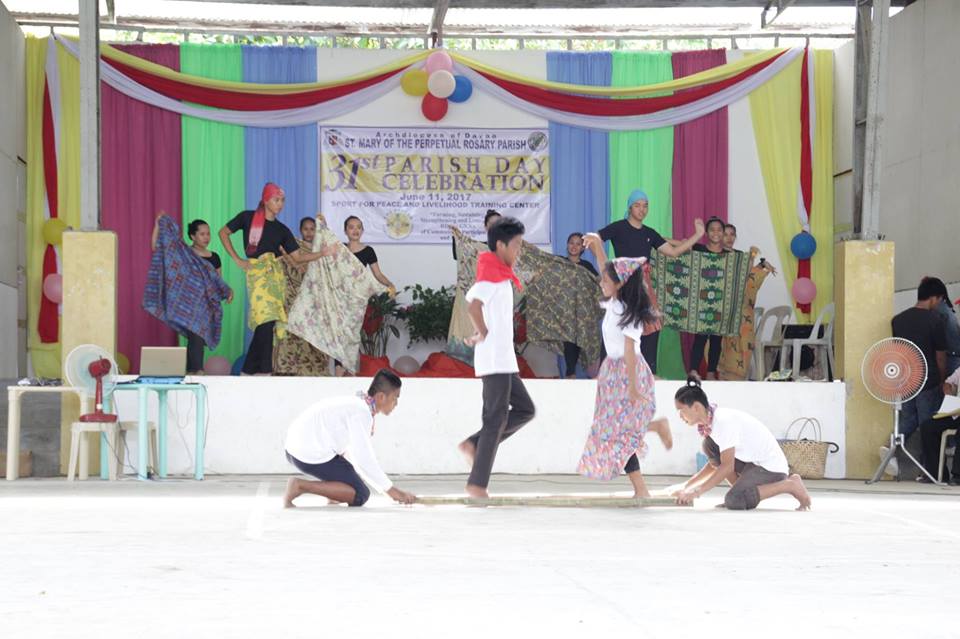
(625, 402)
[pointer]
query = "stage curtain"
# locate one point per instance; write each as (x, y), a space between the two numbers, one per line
(213, 179)
(775, 111)
(286, 156)
(700, 162)
(644, 160)
(579, 169)
(140, 155)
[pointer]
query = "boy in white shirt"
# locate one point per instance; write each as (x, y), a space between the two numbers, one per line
(332, 431)
(506, 404)
(741, 450)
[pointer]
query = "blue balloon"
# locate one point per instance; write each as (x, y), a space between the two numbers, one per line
(463, 91)
(803, 246)
(237, 367)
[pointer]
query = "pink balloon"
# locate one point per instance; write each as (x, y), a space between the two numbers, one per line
(804, 290)
(217, 365)
(439, 61)
(53, 287)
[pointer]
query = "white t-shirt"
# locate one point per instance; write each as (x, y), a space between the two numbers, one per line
(612, 333)
(753, 442)
(337, 426)
(495, 353)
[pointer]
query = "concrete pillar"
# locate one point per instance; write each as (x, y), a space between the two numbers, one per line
(89, 313)
(863, 291)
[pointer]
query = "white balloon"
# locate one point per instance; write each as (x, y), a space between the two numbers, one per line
(441, 84)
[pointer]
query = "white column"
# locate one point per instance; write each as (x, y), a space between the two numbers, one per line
(89, 115)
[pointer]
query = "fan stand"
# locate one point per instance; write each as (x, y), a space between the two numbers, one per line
(898, 442)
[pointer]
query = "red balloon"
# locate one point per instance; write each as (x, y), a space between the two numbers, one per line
(433, 108)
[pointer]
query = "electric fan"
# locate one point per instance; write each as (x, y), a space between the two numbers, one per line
(92, 368)
(894, 371)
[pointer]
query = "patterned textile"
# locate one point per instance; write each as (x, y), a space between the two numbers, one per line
(266, 285)
(737, 350)
(183, 290)
(328, 312)
(619, 423)
(561, 301)
(701, 292)
(293, 355)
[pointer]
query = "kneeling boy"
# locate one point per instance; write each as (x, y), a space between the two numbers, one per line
(326, 435)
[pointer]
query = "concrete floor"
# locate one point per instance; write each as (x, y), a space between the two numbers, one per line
(221, 558)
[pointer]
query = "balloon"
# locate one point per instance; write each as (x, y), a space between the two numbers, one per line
(439, 61)
(803, 245)
(123, 363)
(217, 365)
(463, 91)
(237, 367)
(804, 290)
(53, 231)
(433, 108)
(53, 287)
(441, 83)
(406, 365)
(414, 82)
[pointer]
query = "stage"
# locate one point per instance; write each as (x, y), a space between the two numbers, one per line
(248, 417)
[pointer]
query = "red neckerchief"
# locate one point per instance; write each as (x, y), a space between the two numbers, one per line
(372, 405)
(491, 269)
(259, 220)
(706, 429)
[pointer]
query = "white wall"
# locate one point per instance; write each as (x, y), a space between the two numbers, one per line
(12, 211)
(434, 415)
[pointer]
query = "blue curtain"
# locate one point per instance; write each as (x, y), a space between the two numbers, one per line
(287, 156)
(579, 158)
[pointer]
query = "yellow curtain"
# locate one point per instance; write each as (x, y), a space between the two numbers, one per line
(46, 357)
(775, 110)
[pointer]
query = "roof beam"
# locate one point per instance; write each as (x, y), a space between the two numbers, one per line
(547, 4)
(781, 5)
(436, 22)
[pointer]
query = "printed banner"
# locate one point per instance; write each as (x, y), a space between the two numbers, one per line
(701, 292)
(410, 185)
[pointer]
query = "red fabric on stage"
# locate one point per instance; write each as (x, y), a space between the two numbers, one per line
(806, 160)
(634, 106)
(48, 319)
(141, 158)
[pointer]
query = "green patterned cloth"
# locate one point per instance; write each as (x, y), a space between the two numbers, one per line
(701, 292)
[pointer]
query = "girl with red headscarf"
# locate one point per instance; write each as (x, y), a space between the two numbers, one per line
(265, 239)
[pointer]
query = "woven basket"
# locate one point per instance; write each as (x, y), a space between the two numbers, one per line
(806, 457)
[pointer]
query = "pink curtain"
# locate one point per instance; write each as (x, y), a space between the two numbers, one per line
(140, 155)
(700, 162)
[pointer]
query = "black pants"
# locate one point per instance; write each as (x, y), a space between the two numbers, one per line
(648, 348)
(696, 351)
(506, 408)
(195, 346)
(260, 354)
(633, 464)
(571, 354)
(337, 469)
(931, 433)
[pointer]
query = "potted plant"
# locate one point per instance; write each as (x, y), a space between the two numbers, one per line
(379, 324)
(428, 316)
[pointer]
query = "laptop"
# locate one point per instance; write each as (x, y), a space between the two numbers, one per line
(162, 364)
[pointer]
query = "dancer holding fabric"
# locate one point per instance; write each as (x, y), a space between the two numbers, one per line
(625, 402)
(184, 288)
(506, 405)
(715, 244)
(741, 450)
(630, 238)
(263, 237)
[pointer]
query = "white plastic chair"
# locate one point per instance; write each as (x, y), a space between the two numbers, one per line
(825, 343)
(777, 315)
(79, 447)
(943, 451)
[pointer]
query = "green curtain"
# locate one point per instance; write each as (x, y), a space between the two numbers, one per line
(644, 160)
(213, 179)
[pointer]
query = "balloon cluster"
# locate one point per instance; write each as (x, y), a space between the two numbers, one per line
(803, 246)
(437, 84)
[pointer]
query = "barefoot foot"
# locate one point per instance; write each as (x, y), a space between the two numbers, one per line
(469, 450)
(293, 491)
(476, 492)
(800, 492)
(662, 428)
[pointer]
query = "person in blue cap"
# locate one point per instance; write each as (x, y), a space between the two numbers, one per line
(630, 238)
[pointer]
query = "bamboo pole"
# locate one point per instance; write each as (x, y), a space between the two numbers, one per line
(551, 501)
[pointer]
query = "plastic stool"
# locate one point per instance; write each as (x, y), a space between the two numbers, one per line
(79, 447)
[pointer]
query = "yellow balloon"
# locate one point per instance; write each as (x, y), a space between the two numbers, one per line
(53, 231)
(123, 363)
(414, 82)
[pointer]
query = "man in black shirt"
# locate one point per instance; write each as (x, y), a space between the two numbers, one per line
(630, 238)
(923, 326)
(263, 233)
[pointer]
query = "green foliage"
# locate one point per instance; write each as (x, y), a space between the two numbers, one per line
(428, 317)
